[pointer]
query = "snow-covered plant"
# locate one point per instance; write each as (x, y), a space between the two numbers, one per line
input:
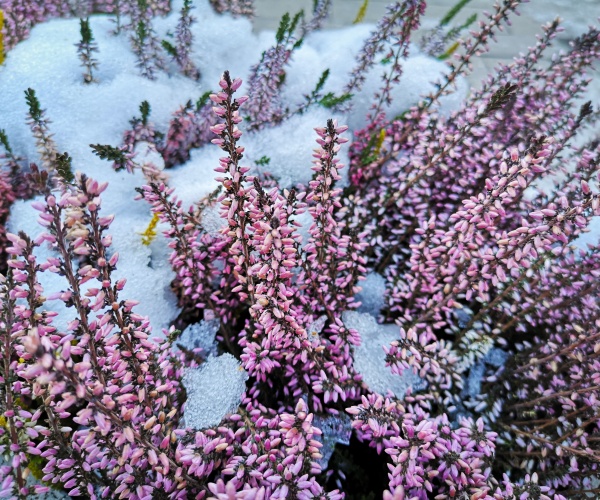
(183, 34)
(268, 75)
(144, 41)
(432, 306)
(85, 49)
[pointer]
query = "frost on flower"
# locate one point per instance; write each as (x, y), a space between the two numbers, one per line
(213, 391)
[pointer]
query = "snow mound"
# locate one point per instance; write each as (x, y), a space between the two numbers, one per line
(214, 390)
(369, 357)
(372, 295)
(201, 335)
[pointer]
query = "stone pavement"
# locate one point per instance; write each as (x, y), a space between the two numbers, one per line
(516, 38)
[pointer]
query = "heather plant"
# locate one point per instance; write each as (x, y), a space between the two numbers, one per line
(234, 7)
(85, 49)
(436, 42)
(183, 36)
(430, 305)
(144, 41)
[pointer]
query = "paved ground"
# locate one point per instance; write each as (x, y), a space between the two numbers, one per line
(516, 38)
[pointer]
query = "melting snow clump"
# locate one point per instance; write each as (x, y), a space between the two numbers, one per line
(372, 294)
(369, 357)
(201, 335)
(213, 390)
(336, 429)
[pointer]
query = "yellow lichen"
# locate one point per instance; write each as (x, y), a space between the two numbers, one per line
(35, 464)
(379, 143)
(362, 12)
(150, 233)
(450, 51)
(1, 37)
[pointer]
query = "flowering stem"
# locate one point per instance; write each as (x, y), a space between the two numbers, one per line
(9, 321)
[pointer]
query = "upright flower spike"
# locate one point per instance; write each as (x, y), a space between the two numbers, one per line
(275, 311)
(235, 199)
(184, 39)
(38, 122)
(264, 83)
(400, 19)
(320, 14)
(329, 275)
(85, 49)
(144, 41)
(189, 128)
(263, 250)
(194, 251)
(399, 43)
(122, 158)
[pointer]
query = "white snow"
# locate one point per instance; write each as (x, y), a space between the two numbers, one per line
(196, 178)
(369, 357)
(290, 146)
(336, 429)
(214, 390)
(372, 295)
(201, 335)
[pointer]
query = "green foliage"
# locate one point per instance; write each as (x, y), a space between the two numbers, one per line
(110, 153)
(86, 32)
(141, 31)
(263, 161)
(283, 27)
(63, 167)
(371, 152)
(145, 111)
(204, 98)
(169, 48)
(470, 20)
(35, 111)
(330, 100)
(4, 141)
(321, 83)
(286, 29)
(451, 14)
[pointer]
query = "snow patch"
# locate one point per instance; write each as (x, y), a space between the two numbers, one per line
(369, 357)
(214, 390)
